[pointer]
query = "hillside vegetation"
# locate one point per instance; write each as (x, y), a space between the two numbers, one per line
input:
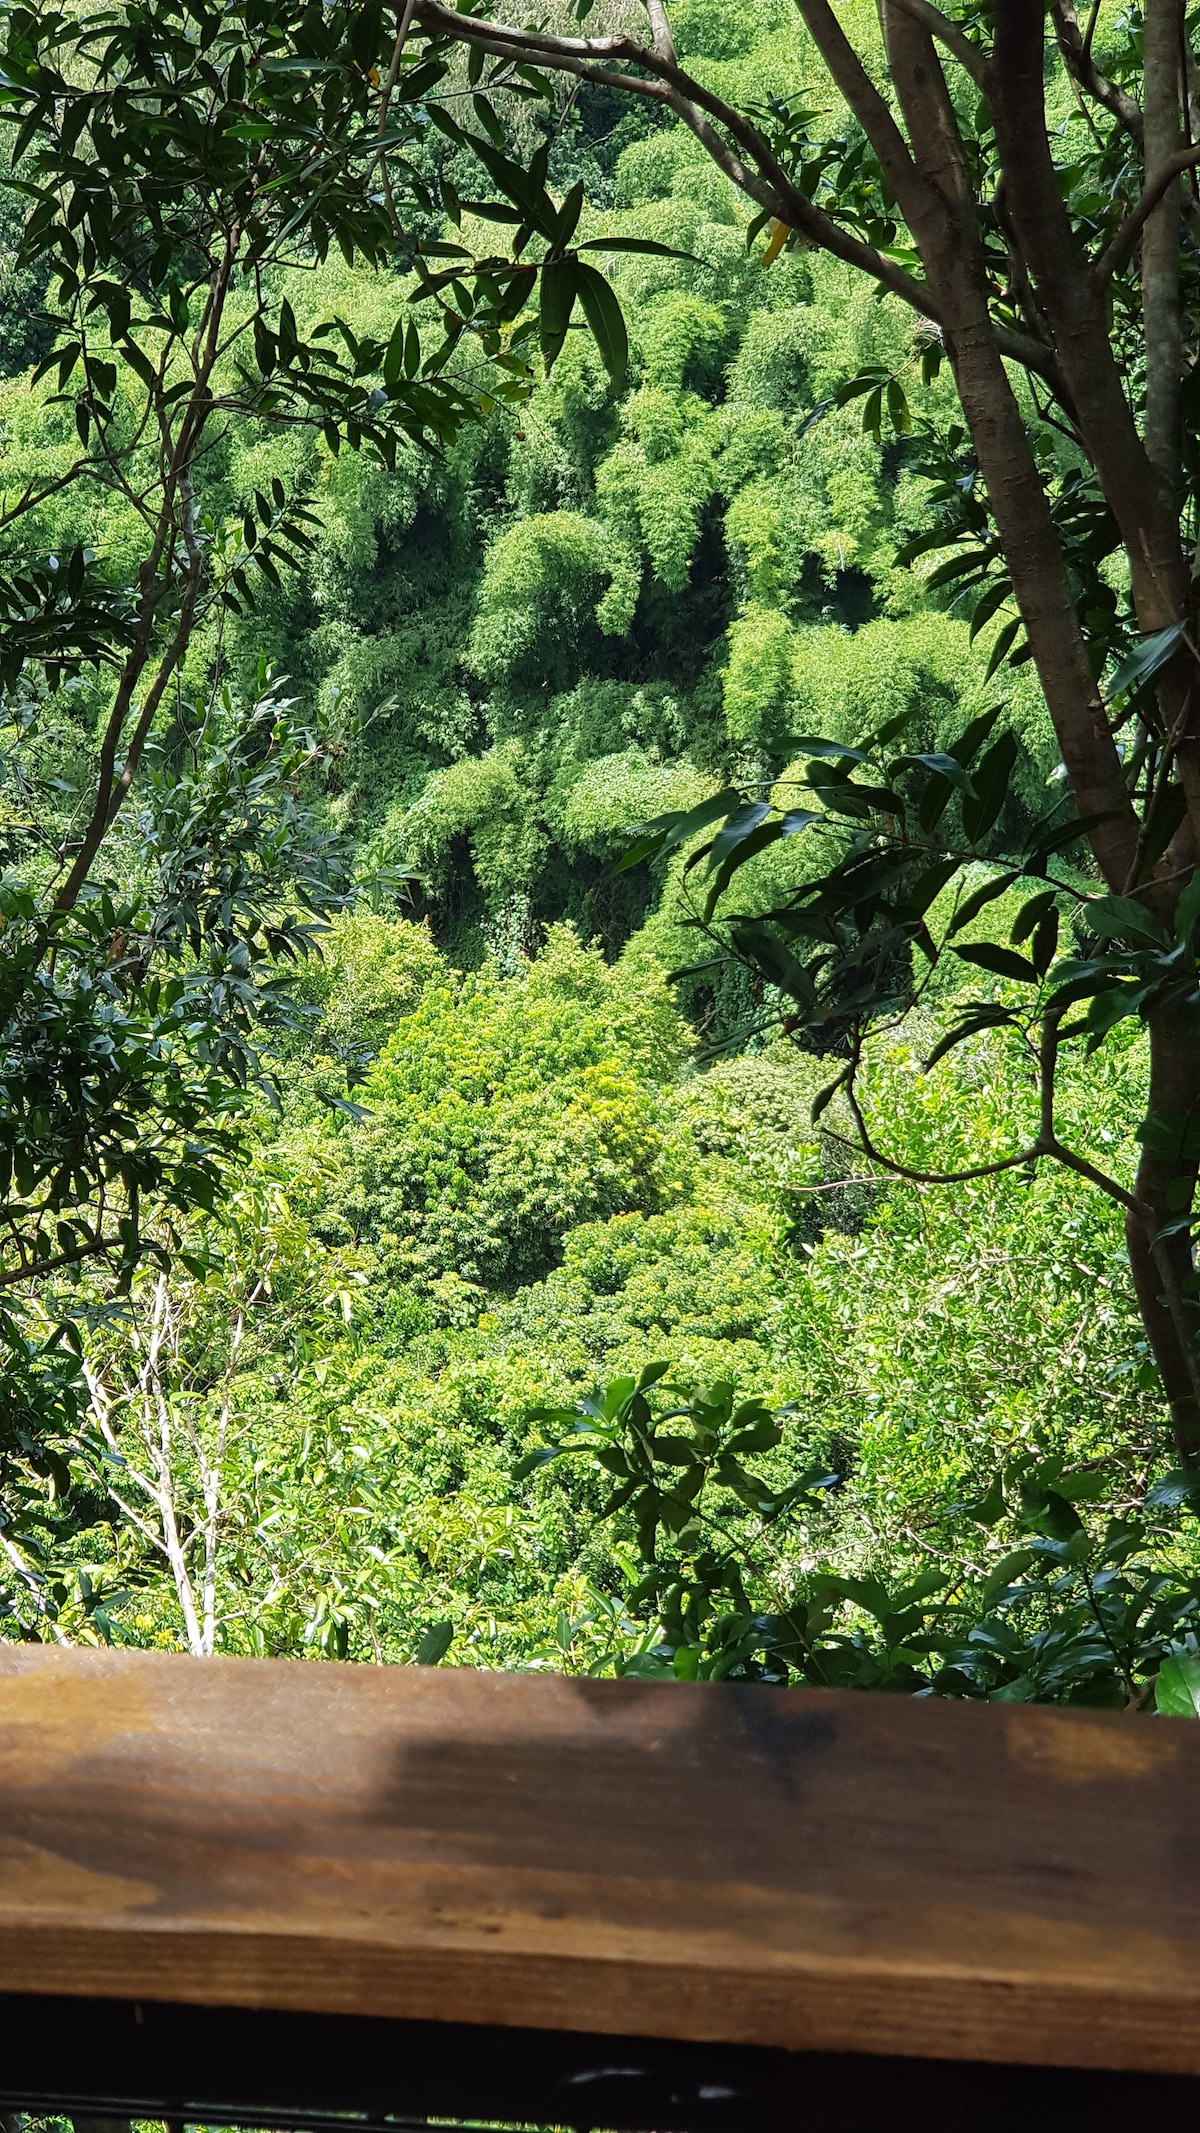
(502, 1157)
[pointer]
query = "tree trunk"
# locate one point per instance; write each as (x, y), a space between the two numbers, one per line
(1163, 35)
(1162, 1269)
(949, 245)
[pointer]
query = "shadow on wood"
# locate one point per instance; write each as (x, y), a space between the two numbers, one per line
(791, 1872)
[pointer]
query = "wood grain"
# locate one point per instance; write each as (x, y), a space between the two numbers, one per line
(805, 1869)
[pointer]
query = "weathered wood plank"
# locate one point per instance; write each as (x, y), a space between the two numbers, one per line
(805, 1869)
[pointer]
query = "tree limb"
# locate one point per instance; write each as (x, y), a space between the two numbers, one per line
(660, 30)
(1111, 261)
(1049, 1142)
(867, 104)
(1076, 312)
(950, 35)
(112, 789)
(592, 59)
(760, 177)
(865, 1146)
(1076, 50)
(1047, 1146)
(389, 83)
(176, 520)
(35, 1268)
(1162, 336)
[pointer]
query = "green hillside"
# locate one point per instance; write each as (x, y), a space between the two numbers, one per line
(495, 1153)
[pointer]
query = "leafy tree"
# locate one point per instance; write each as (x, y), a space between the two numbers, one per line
(140, 144)
(166, 1387)
(134, 1026)
(406, 564)
(175, 161)
(1044, 248)
(378, 615)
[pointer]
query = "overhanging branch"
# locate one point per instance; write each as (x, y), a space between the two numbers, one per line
(750, 165)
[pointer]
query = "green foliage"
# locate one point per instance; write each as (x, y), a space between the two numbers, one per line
(371, 971)
(166, 872)
(1054, 1611)
(672, 564)
(601, 797)
(486, 801)
(501, 1113)
(176, 350)
(542, 581)
(378, 1221)
(708, 31)
(132, 1028)
(529, 1191)
(758, 680)
(23, 328)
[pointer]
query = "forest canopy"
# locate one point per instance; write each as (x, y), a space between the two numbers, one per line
(585, 870)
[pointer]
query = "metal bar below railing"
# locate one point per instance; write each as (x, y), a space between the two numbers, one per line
(249, 2068)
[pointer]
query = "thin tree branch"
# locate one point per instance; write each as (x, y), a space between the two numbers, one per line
(591, 59)
(866, 102)
(906, 1170)
(176, 518)
(389, 84)
(507, 43)
(103, 816)
(31, 498)
(1099, 1178)
(1111, 261)
(1049, 1143)
(1157, 796)
(1076, 50)
(1046, 1146)
(897, 1169)
(838, 1184)
(140, 1524)
(37, 1267)
(660, 31)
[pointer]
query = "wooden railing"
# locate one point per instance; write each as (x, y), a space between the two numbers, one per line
(279, 1891)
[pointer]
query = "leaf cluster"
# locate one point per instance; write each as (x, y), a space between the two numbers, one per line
(1063, 1611)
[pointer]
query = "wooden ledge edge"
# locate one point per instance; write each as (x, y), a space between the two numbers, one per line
(923, 2016)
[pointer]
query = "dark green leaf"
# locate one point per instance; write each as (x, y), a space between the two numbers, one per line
(1146, 660)
(1003, 962)
(604, 316)
(990, 783)
(435, 1644)
(1118, 917)
(559, 287)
